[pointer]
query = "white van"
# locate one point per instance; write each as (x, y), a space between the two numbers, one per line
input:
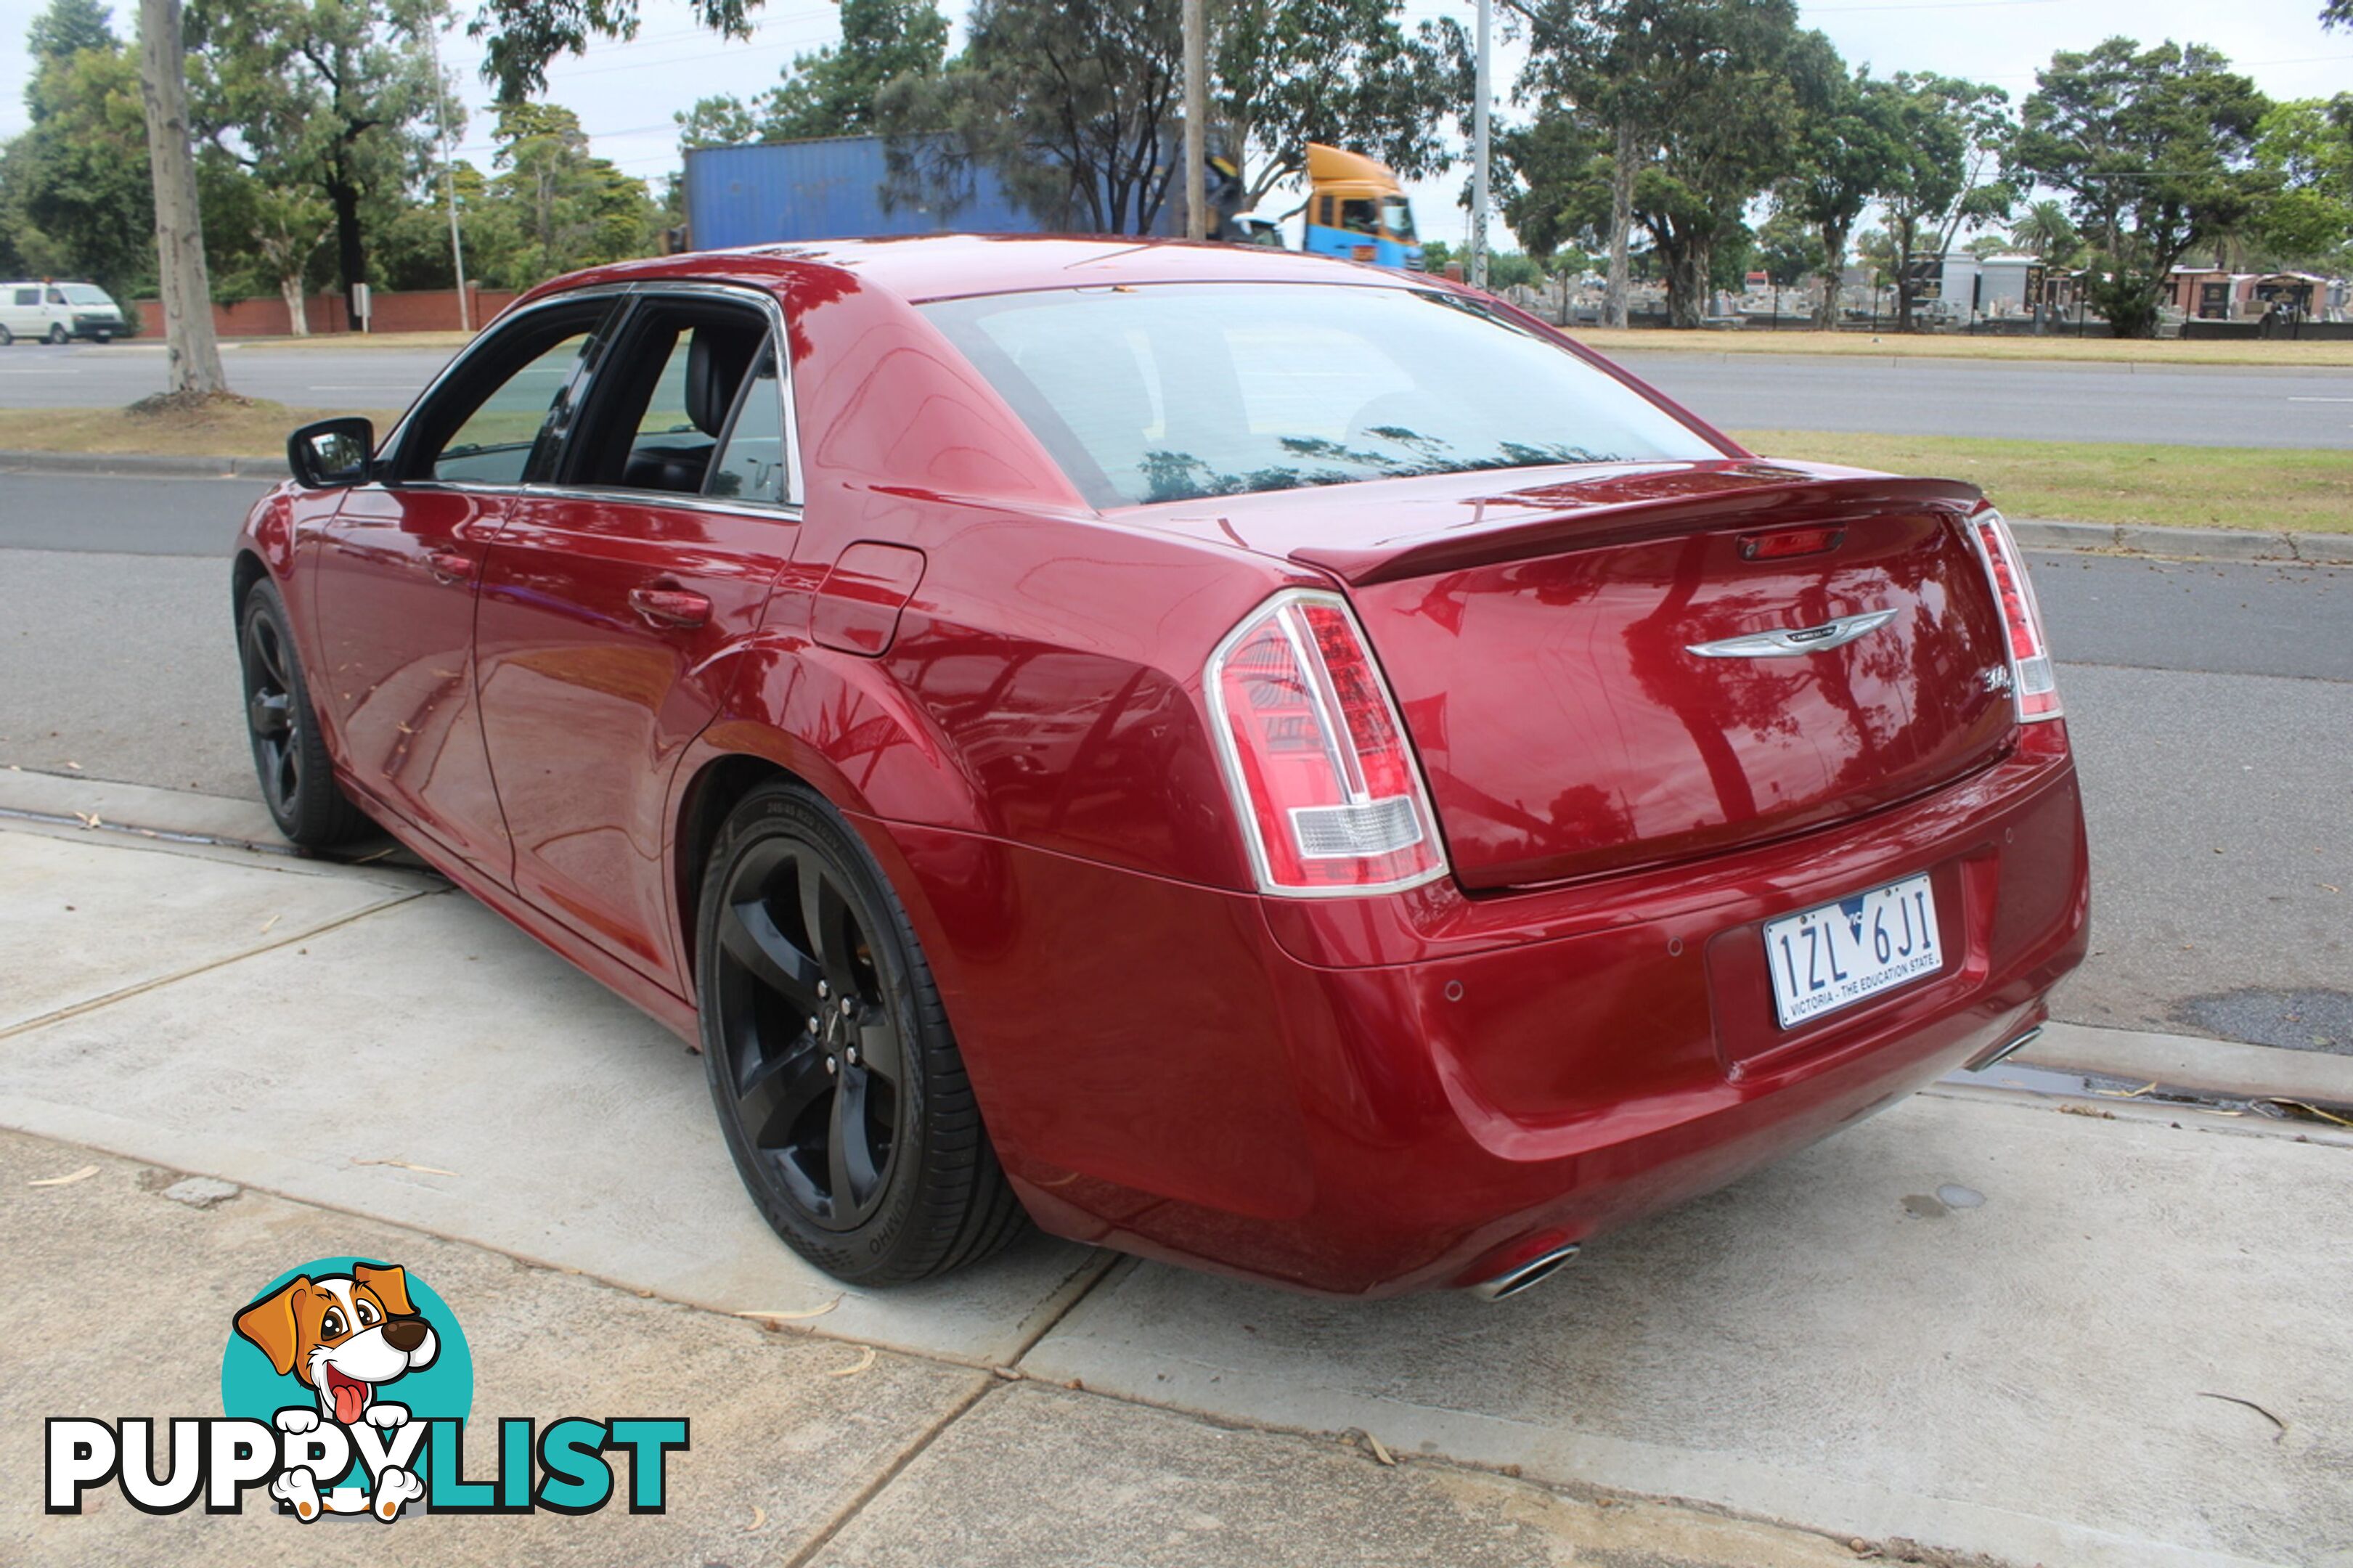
(53, 313)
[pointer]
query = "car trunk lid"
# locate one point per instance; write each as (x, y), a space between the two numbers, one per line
(1591, 674)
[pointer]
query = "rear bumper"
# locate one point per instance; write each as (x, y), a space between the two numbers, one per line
(1372, 1096)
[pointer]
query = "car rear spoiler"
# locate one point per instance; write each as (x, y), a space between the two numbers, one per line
(1487, 539)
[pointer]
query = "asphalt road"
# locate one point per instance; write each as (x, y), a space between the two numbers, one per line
(2184, 405)
(124, 515)
(2211, 707)
(106, 375)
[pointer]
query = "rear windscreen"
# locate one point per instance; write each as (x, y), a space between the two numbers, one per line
(1170, 392)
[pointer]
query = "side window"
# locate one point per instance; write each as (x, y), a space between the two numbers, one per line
(1360, 217)
(665, 399)
(670, 448)
(56, 296)
(28, 296)
(489, 438)
(751, 461)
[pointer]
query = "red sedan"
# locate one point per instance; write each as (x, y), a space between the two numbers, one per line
(1254, 760)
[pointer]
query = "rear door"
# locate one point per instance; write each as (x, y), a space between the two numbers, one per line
(613, 596)
(396, 571)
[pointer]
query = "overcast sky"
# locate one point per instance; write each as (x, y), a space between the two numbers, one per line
(626, 93)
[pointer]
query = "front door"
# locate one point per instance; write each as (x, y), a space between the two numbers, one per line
(612, 600)
(397, 567)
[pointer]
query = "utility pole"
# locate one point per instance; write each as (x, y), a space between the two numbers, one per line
(449, 177)
(1196, 118)
(1480, 144)
(191, 353)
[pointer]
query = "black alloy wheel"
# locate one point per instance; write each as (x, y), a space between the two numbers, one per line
(838, 1085)
(290, 760)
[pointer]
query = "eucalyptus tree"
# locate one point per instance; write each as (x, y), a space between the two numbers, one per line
(1702, 103)
(1077, 106)
(76, 194)
(65, 29)
(1954, 135)
(2153, 151)
(1850, 152)
(191, 355)
(553, 206)
(334, 96)
(832, 91)
(1073, 106)
(2308, 144)
(1348, 72)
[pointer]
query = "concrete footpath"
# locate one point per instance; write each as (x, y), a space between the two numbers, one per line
(2069, 1330)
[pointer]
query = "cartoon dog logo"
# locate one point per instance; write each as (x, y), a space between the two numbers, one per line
(343, 1336)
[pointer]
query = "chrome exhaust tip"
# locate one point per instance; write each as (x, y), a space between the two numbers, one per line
(1535, 1271)
(2003, 1053)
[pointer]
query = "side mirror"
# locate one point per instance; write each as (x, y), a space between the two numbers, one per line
(332, 452)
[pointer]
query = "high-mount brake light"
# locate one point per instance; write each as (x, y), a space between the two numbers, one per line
(1314, 755)
(2034, 686)
(1783, 544)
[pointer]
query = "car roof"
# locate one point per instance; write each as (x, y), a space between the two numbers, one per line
(920, 267)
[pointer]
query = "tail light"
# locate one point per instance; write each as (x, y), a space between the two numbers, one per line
(2034, 686)
(1330, 798)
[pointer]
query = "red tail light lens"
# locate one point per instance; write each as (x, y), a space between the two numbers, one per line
(2034, 685)
(1330, 799)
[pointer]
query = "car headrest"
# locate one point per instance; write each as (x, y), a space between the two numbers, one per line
(717, 359)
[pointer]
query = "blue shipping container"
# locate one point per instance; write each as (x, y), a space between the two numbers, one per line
(831, 189)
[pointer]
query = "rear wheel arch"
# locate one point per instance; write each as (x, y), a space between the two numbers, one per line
(719, 783)
(703, 808)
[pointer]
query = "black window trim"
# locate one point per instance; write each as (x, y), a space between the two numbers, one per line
(761, 359)
(621, 331)
(397, 453)
(581, 387)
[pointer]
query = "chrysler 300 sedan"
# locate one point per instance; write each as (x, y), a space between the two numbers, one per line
(1258, 762)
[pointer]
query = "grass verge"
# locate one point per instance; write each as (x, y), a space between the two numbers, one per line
(242, 427)
(2263, 487)
(2275, 355)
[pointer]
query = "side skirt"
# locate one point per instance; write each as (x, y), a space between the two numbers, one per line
(665, 1006)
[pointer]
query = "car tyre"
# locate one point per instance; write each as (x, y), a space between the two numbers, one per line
(57, 334)
(839, 1088)
(6, 336)
(289, 755)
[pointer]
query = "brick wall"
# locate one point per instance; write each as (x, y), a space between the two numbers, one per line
(423, 310)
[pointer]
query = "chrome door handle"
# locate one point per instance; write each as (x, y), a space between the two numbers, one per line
(670, 606)
(450, 565)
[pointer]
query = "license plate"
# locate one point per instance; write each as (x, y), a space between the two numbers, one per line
(1835, 955)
